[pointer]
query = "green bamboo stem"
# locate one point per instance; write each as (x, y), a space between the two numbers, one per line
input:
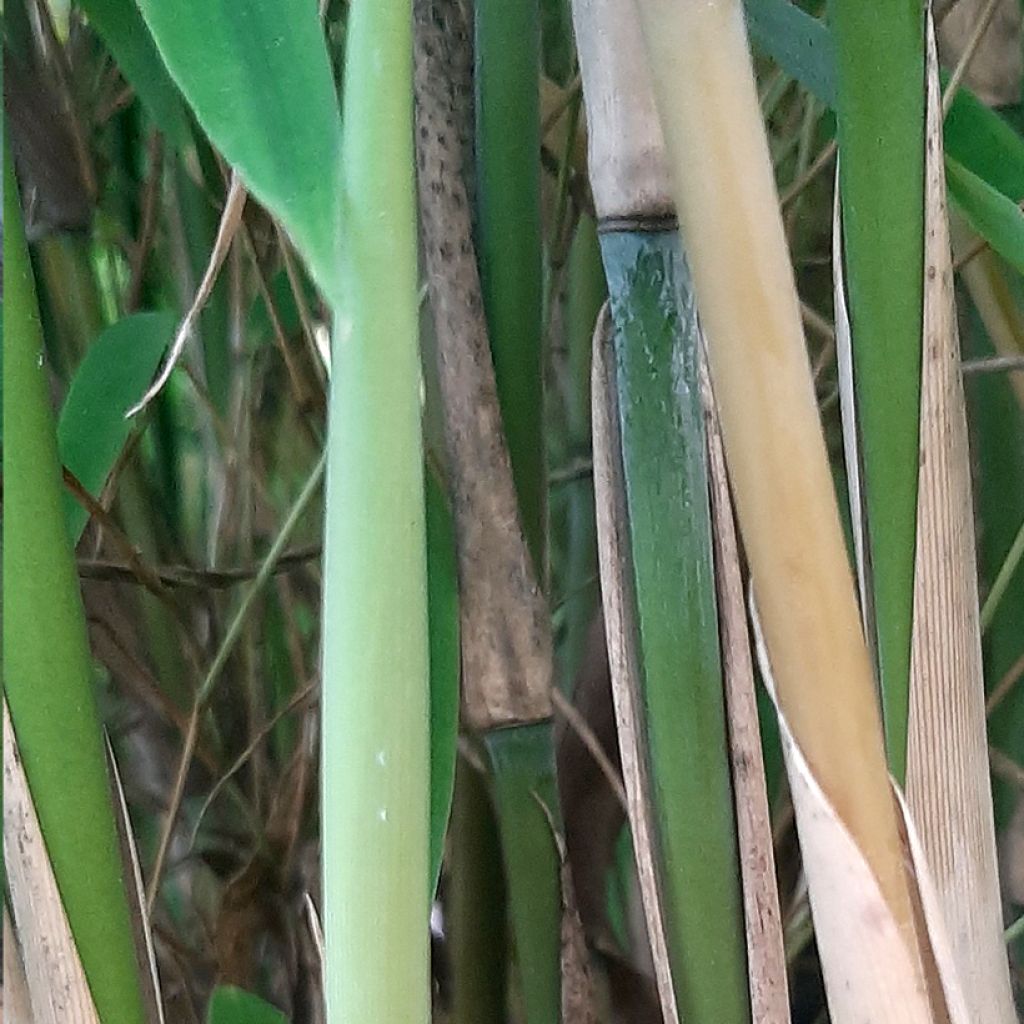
(509, 237)
(47, 667)
(664, 516)
(662, 436)
(376, 768)
(880, 116)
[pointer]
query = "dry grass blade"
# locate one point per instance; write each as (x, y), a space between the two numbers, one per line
(230, 220)
(948, 788)
(58, 990)
(620, 615)
(766, 957)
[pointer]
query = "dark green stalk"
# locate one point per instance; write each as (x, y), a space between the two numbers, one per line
(47, 667)
(663, 456)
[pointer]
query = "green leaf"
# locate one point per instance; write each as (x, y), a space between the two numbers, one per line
(121, 27)
(116, 369)
(998, 220)
(984, 143)
(880, 111)
(230, 1005)
(974, 134)
(509, 239)
(257, 75)
(801, 45)
(445, 664)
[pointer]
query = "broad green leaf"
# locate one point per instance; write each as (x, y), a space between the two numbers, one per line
(116, 369)
(445, 664)
(998, 220)
(257, 75)
(121, 27)
(231, 1005)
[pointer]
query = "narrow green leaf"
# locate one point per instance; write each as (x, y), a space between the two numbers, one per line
(663, 454)
(880, 74)
(121, 27)
(977, 137)
(47, 669)
(800, 44)
(258, 78)
(231, 1005)
(445, 664)
(998, 220)
(509, 237)
(974, 134)
(92, 430)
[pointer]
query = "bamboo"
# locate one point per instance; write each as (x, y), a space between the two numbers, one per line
(46, 663)
(376, 769)
(776, 456)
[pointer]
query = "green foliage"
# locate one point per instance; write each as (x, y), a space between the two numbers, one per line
(231, 1005)
(509, 238)
(880, 108)
(116, 370)
(258, 79)
(998, 220)
(121, 27)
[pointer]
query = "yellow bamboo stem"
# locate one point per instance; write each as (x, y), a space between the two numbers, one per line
(729, 215)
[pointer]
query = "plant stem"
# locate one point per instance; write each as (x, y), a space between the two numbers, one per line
(376, 768)
(729, 214)
(47, 667)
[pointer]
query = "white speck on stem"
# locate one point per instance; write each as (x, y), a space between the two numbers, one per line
(383, 814)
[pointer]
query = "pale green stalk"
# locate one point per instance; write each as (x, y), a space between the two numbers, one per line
(375, 661)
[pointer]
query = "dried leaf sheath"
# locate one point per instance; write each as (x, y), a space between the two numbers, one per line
(948, 787)
(507, 653)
